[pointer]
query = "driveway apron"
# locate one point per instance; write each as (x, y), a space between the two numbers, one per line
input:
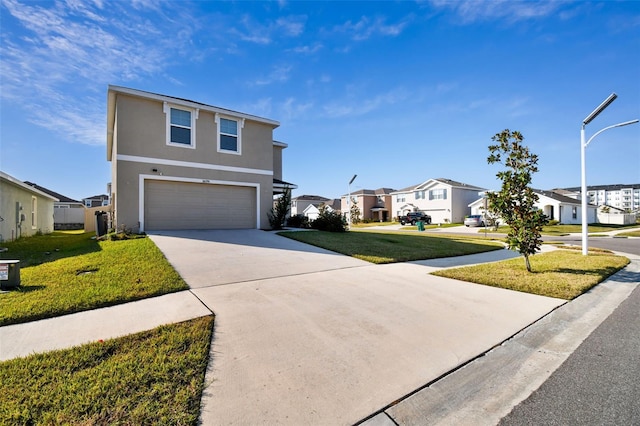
(305, 336)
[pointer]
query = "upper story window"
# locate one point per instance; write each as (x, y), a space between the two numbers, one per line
(229, 134)
(419, 195)
(400, 198)
(438, 194)
(181, 126)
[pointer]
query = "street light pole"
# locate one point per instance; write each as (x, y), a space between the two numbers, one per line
(349, 202)
(583, 163)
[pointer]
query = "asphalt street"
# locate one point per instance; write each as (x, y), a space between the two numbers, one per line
(599, 384)
(624, 245)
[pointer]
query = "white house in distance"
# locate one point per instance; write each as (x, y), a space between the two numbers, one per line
(300, 203)
(558, 207)
(445, 200)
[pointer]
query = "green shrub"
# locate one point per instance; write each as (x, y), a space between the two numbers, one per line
(553, 222)
(330, 221)
(298, 221)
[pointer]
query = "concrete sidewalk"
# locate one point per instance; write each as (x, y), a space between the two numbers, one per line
(21, 340)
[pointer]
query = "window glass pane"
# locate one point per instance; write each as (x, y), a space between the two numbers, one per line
(229, 127)
(180, 135)
(180, 117)
(229, 143)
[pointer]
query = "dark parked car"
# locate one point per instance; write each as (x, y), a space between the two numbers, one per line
(413, 217)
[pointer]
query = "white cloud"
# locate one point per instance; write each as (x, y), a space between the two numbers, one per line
(355, 107)
(512, 11)
(308, 49)
(291, 109)
(59, 50)
(260, 33)
(279, 74)
(366, 28)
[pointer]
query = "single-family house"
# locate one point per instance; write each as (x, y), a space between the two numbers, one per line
(24, 210)
(300, 203)
(374, 204)
(312, 211)
(101, 200)
(182, 164)
(335, 204)
(445, 200)
(67, 212)
(565, 210)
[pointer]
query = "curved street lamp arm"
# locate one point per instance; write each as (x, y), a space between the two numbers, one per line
(626, 123)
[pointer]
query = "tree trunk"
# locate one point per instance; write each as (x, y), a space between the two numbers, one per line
(527, 263)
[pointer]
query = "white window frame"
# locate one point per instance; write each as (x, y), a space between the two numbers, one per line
(438, 194)
(194, 116)
(34, 212)
(240, 122)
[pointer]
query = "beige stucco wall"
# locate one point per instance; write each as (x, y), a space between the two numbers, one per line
(140, 131)
(277, 162)
(10, 229)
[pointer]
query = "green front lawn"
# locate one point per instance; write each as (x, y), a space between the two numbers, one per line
(563, 274)
(390, 247)
(154, 377)
(66, 272)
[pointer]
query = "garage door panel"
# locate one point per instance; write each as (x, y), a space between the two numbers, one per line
(185, 205)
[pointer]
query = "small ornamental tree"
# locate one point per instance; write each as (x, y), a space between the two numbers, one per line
(354, 211)
(515, 202)
(280, 210)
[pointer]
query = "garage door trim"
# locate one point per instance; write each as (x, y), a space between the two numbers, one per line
(143, 178)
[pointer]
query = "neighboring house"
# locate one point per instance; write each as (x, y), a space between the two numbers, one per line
(180, 164)
(312, 211)
(96, 201)
(335, 204)
(301, 202)
(373, 204)
(445, 200)
(24, 210)
(558, 207)
(67, 212)
(625, 196)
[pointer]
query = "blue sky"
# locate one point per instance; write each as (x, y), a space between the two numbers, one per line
(395, 92)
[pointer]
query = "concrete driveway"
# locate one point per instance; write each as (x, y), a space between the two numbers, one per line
(305, 336)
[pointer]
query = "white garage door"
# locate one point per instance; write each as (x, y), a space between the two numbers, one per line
(184, 205)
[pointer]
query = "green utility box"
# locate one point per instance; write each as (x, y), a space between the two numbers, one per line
(9, 274)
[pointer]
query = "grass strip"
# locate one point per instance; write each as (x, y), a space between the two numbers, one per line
(630, 234)
(562, 274)
(63, 273)
(154, 377)
(389, 247)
